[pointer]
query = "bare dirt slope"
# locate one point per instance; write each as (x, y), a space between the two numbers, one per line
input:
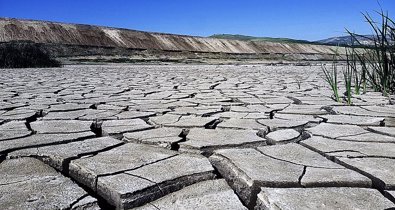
(69, 36)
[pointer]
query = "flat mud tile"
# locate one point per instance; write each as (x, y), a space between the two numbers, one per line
(38, 186)
(211, 195)
(289, 165)
(321, 198)
(144, 184)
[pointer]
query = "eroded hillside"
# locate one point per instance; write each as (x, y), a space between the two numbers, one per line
(64, 39)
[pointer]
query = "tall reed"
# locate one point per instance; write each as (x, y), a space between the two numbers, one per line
(348, 77)
(331, 77)
(377, 57)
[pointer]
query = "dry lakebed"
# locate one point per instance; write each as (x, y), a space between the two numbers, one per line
(191, 137)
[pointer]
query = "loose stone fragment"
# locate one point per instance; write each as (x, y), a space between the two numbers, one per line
(212, 194)
(321, 198)
(38, 186)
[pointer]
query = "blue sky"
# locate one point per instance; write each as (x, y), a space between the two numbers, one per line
(300, 19)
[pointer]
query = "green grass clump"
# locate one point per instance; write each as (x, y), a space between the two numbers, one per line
(348, 77)
(358, 71)
(369, 65)
(331, 78)
(376, 60)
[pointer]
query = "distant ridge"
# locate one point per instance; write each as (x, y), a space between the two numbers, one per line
(332, 41)
(253, 38)
(66, 39)
(348, 40)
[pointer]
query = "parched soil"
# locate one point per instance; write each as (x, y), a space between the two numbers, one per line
(191, 137)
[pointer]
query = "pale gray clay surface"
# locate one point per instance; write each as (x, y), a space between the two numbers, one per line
(123, 136)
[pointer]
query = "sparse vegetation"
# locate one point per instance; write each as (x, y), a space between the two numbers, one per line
(370, 65)
(331, 78)
(25, 55)
(359, 74)
(376, 62)
(298, 80)
(348, 77)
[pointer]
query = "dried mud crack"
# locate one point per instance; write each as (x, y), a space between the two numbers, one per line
(191, 137)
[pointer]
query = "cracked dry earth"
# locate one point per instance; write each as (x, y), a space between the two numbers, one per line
(191, 137)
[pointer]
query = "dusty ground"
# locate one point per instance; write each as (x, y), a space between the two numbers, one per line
(191, 137)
